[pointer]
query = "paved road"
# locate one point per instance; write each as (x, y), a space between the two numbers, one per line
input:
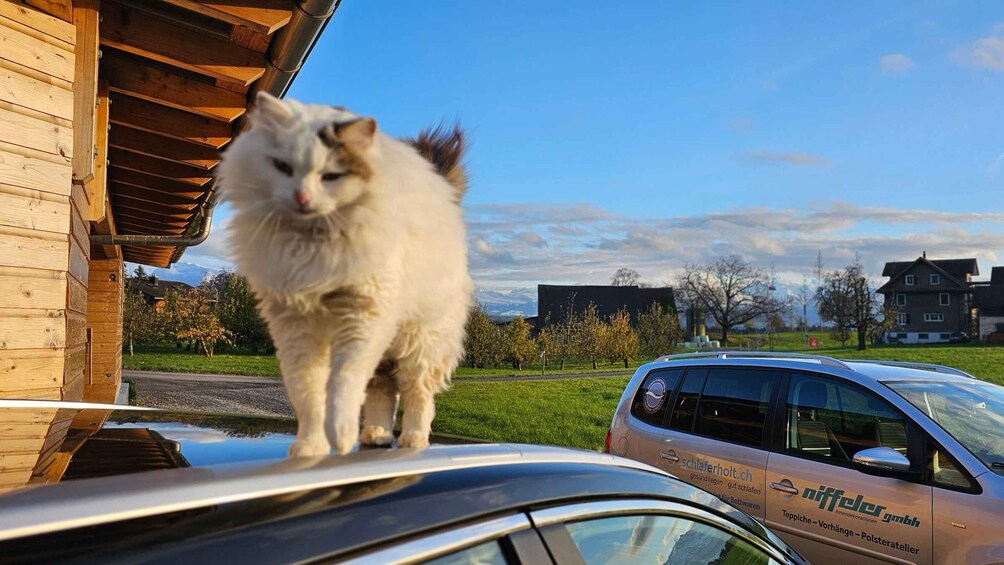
(240, 394)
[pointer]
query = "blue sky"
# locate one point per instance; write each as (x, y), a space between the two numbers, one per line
(653, 134)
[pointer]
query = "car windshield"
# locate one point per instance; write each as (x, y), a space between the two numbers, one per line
(972, 412)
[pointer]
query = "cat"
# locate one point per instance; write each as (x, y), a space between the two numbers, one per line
(355, 245)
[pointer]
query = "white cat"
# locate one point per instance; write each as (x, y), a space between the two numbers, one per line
(355, 245)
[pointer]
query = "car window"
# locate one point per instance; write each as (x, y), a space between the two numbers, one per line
(946, 471)
(652, 398)
(686, 402)
(659, 539)
(734, 405)
(831, 421)
(485, 554)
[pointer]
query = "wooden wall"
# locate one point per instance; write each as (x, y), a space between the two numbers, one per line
(104, 320)
(43, 238)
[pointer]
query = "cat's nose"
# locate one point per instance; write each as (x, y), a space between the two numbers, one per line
(301, 197)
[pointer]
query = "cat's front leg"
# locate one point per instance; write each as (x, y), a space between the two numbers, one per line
(353, 363)
(304, 355)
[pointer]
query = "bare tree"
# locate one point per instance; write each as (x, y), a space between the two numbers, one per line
(625, 277)
(848, 300)
(732, 291)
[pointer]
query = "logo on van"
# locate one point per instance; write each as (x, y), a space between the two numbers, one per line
(655, 396)
(833, 500)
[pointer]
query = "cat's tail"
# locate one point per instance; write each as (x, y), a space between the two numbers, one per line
(445, 149)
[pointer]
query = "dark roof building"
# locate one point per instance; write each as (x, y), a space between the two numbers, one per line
(933, 298)
(555, 302)
(155, 289)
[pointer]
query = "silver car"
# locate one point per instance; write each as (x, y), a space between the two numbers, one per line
(864, 461)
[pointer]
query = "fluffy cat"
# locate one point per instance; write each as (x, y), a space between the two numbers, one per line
(355, 245)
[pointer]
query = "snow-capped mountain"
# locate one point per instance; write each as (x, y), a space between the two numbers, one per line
(515, 302)
(189, 273)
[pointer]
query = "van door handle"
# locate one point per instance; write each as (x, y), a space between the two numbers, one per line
(669, 456)
(784, 488)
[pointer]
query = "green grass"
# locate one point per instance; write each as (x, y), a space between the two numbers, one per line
(574, 413)
(172, 360)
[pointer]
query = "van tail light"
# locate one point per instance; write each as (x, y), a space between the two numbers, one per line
(606, 444)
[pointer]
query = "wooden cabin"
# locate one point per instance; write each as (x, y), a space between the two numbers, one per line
(113, 114)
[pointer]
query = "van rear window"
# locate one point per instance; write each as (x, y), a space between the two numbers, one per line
(652, 398)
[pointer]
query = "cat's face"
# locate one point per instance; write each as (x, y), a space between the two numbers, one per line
(305, 162)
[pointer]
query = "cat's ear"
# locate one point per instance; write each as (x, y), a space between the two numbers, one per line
(357, 134)
(271, 112)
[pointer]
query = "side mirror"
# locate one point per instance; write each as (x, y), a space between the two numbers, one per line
(882, 462)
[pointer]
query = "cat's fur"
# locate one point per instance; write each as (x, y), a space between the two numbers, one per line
(362, 279)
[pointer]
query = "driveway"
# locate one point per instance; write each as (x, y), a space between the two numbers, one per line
(239, 394)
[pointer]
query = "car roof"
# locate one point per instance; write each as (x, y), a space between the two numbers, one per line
(858, 370)
(369, 498)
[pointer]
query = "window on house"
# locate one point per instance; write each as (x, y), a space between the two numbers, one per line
(921, 336)
(910, 279)
(934, 317)
(946, 336)
(945, 299)
(900, 300)
(935, 279)
(902, 319)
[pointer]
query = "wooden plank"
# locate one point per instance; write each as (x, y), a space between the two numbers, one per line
(97, 188)
(47, 96)
(19, 46)
(160, 184)
(136, 216)
(169, 122)
(76, 295)
(148, 229)
(141, 200)
(13, 461)
(42, 416)
(32, 329)
(130, 161)
(78, 228)
(62, 9)
(85, 89)
(29, 369)
(27, 168)
(53, 27)
(31, 209)
(263, 16)
(148, 36)
(18, 128)
(76, 334)
(31, 292)
(161, 147)
(26, 248)
(126, 76)
(78, 262)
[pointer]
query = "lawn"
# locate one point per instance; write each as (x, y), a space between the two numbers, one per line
(173, 360)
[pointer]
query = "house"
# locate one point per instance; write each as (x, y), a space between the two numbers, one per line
(932, 298)
(988, 298)
(155, 289)
(555, 303)
(112, 118)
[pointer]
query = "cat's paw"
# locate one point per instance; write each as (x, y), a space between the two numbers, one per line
(413, 439)
(375, 435)
(302, 448)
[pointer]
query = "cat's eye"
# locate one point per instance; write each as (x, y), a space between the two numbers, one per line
(283, 167)
(328, 177)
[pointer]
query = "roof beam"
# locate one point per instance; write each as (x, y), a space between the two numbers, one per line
(132, 217)
(168, 89)
(161, 147)
(154, 38)
(159, 199)
(262, 16)
(62, 9)
(129, 161)
(155, 118)
(147, 228)
(160, 184)
(141, 207)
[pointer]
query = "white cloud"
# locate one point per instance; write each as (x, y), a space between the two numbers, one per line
(985, 53)
(799, 159)
(896, 63)
(532, 239)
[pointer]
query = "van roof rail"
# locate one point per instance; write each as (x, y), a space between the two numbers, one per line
(726, 353)
(914, 365)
